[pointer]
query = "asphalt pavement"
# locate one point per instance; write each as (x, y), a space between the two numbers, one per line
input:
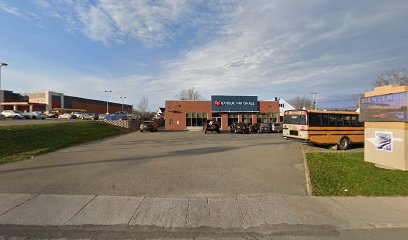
(164, 164)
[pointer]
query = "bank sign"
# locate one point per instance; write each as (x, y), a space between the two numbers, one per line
(234, 103)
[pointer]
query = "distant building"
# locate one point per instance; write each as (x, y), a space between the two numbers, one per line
(193, 114)
(48, 101)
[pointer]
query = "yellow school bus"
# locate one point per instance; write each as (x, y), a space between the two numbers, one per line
(340, 128)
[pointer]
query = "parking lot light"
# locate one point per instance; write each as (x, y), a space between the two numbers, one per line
(107, 101)
(123, 99)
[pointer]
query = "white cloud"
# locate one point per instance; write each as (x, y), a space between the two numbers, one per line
(281, 48)
(9, 9)
(109, 20)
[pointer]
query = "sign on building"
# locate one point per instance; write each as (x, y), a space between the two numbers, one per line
(234, 103)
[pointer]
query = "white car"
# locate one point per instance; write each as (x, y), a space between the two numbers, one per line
(34, 115)
(13, 114)
(65, 116)
(77, 115)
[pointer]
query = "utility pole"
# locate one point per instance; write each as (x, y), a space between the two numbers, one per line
(314, 101)
(107, 101)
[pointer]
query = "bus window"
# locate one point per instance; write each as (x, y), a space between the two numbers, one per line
(332, 120)
(315, 119)
(347, 120)
(295, 119)
(325, 119)
(340, 120)
(354, 120)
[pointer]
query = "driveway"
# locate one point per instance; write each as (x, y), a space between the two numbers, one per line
(165, 164)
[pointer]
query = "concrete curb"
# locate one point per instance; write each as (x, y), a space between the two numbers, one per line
(309, 188)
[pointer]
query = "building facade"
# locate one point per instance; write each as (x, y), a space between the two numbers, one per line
(189, 115)
(48, 101)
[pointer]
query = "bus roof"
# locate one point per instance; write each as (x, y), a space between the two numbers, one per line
(323, 111)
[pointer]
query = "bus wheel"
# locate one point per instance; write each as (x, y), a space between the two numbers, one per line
(344, 144)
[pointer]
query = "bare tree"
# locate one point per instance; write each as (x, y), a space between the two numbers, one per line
(356, 99)
(399, 77)
(189, 94)
(143, 104)
(301, 102)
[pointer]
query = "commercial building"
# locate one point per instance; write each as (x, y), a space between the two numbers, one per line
(185, 114)
(48, 101)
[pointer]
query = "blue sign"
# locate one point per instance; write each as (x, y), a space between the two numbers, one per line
(234, 103)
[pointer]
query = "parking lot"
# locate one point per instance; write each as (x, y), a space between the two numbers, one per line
(165, 164)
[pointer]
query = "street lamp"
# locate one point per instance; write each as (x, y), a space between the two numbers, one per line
(107, 101)
(123, 99)
(1, 93)
(2, 65)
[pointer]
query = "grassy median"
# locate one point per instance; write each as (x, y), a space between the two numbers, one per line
(21, 142)
(346, 174)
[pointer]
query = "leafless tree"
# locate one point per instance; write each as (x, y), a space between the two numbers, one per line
(356, 99)
(143, 104)
(397, 77)
(301, 102)
(189, 94)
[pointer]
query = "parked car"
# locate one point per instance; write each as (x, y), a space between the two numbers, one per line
(277, 127)
(75, 115)
(34, 115)
(53, 114)
(65, 116)
(211, 126)
(13, 114)
(239, 127)
(90, 116)
(265, 128)
(254, 127)
(148, 126)
(2, 117)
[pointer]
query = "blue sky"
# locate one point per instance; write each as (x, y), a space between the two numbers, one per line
(155, 48)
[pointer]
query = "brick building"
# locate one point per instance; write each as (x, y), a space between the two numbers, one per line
(185, 114)
(47, 101)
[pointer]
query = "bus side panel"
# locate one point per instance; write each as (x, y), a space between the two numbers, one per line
(332, 135)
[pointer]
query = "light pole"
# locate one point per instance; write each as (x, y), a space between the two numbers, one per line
(1, 93)
(107, 101)
(123, 99)
(2, 65)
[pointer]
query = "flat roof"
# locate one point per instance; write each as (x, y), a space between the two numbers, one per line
(21, 104)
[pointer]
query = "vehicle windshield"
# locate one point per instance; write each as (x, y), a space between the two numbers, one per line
(295, 119)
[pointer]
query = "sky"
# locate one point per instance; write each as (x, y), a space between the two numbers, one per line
(155, 48)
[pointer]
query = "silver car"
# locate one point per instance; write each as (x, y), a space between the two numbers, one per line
(13, 114)
(277, 127)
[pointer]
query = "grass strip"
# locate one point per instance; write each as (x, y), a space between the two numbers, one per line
(21, 142)
(347, 174)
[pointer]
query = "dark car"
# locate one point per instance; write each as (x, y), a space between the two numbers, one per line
(148, 126)
(265, 128)
(254, 127)
(211, 126)
(239, 127)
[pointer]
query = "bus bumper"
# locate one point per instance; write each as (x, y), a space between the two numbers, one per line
(297, 139)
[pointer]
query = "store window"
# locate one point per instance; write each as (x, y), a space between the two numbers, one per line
(267, 117)
(195, 119)
(232, 117)
(247, 118)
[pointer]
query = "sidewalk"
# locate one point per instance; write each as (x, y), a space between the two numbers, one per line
(224, 213)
